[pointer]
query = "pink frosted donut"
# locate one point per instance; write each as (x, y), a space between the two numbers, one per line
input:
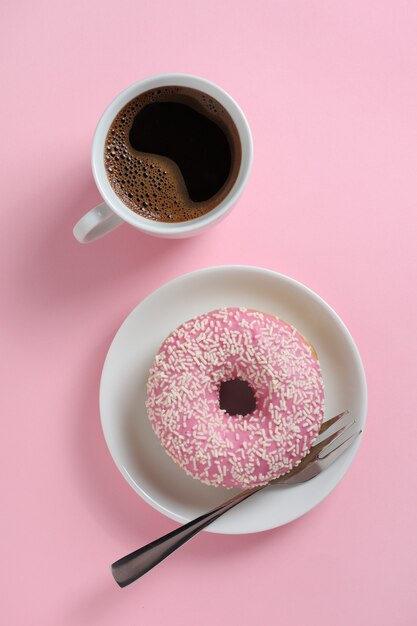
(281, 373)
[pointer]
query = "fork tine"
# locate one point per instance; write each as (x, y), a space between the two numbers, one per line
(316, 449)
(311, 456)
(332, 455)
(344, 419)
(316, 466)
(328, 423)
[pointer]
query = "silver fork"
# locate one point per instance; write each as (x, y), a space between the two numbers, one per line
(322, 454)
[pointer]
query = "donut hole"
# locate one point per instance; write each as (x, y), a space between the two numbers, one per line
(237, 397)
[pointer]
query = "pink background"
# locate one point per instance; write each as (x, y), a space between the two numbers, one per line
(330, 91)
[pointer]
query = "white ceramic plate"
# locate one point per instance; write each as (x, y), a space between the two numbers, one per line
(129, 435)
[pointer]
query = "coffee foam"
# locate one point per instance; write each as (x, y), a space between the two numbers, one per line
(152, 185)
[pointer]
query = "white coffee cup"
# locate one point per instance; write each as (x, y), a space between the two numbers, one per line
(112, 212)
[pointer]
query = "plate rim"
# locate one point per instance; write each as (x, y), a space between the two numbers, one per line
(139, 490)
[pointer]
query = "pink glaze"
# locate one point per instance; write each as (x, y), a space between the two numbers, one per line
(183, 397)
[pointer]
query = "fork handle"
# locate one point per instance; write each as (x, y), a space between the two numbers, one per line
(132, 566)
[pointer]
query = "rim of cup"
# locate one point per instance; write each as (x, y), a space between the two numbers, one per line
(164, 80)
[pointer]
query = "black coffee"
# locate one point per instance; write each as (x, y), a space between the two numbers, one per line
(172, 154)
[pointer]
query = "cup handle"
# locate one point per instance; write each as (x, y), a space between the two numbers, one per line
(96, 223)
